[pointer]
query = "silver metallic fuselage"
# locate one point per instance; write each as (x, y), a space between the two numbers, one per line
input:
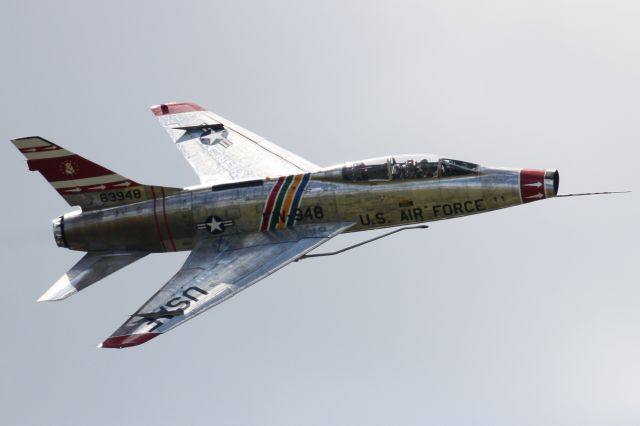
(258, 208)
(172, 223)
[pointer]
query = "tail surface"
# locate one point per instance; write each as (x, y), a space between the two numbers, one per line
(91, 268)
(82, 182)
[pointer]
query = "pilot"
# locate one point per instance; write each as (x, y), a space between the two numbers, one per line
(410, 169)
(395, 171)
(362, 172)
(428, 169)
(443, 168)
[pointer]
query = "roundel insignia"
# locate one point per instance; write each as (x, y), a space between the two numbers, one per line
(215, 225)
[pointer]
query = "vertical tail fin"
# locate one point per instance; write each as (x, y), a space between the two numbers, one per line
(79, 181)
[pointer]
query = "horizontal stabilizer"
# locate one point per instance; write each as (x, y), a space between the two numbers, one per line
(91, 268)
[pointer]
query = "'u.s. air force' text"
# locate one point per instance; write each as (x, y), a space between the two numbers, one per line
(418, 214)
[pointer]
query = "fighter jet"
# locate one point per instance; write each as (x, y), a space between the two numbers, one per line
(257, 208)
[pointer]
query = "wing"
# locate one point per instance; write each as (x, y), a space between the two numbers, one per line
(217, 269)
(221, 151)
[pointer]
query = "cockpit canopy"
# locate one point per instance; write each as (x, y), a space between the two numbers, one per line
(399, 167)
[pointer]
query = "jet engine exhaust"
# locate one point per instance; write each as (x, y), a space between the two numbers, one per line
(58, 232)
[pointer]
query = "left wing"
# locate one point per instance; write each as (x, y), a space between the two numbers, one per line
(220, 151)
(217, 269)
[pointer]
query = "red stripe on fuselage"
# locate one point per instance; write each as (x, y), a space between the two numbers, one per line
(266, 214)
(166, 222)
(155, 219)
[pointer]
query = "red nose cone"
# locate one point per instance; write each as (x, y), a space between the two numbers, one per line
(538, 184)
(532, 185)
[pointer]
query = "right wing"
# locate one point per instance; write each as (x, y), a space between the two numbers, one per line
(220, 151)
(217, 269)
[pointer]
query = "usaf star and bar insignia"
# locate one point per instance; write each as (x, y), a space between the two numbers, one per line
(215, 225)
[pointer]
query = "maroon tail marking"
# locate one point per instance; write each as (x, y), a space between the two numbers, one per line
(50, 147)
(69, 167)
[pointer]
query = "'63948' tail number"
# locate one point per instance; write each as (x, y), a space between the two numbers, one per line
(132, 194)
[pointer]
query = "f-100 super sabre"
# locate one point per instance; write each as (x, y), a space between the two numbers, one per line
(256, 209)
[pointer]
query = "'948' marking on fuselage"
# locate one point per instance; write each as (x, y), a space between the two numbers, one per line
(113, 196)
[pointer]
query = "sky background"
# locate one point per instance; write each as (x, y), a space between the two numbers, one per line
(525, 316)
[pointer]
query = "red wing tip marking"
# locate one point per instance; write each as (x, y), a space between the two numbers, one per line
(119, 342)
(175, 108)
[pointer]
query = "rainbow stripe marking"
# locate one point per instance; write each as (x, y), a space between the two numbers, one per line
(283, 201)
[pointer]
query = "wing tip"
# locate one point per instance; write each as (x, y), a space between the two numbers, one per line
(175, 108)
(126, 341)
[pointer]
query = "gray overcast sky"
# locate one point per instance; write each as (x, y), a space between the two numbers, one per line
(525, 316)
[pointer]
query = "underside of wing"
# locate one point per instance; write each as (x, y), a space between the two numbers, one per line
(220, 151)
(217, 269)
